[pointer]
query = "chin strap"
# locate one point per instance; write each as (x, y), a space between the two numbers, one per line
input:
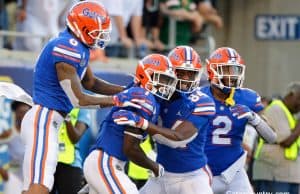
(230, 101)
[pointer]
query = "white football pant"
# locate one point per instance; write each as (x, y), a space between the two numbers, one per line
(105, 174)
(39, 132)
(239, 184)
(195, 182)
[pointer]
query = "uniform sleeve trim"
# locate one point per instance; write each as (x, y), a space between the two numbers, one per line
(67, 52)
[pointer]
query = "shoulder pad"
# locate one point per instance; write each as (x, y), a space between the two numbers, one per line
(251, 99)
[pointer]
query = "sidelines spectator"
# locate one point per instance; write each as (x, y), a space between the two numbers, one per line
(151, 21)
(11, 12)
(5, 136)
(16, 150)
(119, 33)
(276, 166)
(126, 13)
(36, 17)
(188, 20)
(209, 13)
(68, 177)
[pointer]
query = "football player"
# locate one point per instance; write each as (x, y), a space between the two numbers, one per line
(60, 72)
(235, 107)
(187, 114)
(116, 144)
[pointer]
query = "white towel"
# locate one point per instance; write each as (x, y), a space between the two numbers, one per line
(231, 171)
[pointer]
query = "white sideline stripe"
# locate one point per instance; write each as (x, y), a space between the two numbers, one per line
(66, 52)
(204, 109)
(111, 180)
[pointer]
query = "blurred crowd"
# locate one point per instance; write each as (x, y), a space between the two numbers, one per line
(138, 26)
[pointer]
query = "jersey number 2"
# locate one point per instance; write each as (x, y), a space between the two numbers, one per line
(222, 125)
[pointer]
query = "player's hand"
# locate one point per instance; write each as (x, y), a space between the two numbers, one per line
(125, 117)
(241, 111)
(133, 99)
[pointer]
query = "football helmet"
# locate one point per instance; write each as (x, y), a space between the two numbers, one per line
(155, 73)
(188, 68)
(90, 23)
(226, 69)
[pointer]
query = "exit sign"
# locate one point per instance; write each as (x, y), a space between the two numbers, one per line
(277, 27)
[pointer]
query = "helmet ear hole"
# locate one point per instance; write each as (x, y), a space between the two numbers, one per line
(141, 76)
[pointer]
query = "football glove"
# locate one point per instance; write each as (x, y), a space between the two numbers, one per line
(125, 117)
(125, 99)
(242, 111)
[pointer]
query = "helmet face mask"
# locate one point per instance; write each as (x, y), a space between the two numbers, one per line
(229, 75)
(90, 23)
(100, 37)
(155, 73)
(188, 68)
(162, 85)
(188, 79)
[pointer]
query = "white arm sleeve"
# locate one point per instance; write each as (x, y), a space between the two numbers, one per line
(172, 143)
(263, 129)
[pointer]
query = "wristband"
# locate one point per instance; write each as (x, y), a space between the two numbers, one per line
(256, 119)
(145, 124)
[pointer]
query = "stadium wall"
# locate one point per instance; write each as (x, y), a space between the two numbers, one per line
(272, 62)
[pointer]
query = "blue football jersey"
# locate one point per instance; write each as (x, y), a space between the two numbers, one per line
(111, 136)
(46, 89)
(225, 134)
(196, 108)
